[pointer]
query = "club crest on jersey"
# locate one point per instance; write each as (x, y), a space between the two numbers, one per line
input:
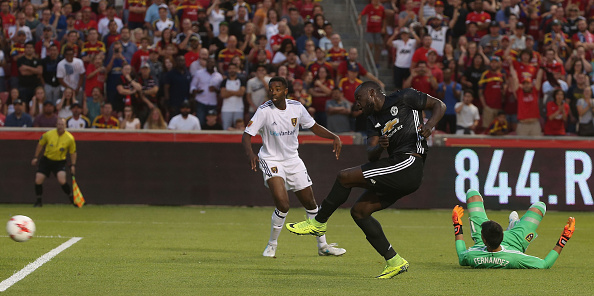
(394, 110)
(274, 169)
(294, 121)
(250, 123)
(529, 237)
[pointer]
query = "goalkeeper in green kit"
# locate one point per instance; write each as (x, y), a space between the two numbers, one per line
(495, 248)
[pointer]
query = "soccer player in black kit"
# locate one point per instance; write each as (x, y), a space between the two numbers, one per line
(395, 124)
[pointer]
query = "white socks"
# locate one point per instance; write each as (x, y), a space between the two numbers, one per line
(277, 223)
(321, 239)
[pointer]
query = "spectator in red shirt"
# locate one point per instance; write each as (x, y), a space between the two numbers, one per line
(421, 52)
(137, 9)
(320, 90)
(194, 53)
(336, 54)
(434, 66)
(527, 94)
(481, 18)
(277, 40)
(87, 22)
(557, 112)
(349, 84)
(227, 54)
(188, 10)
(319, 63)
(42, 46)
(422, 79)
(296, 71)
(142, 55)
(492, 89)
(375, 26)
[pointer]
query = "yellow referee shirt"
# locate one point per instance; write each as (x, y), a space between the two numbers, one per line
(56, 146)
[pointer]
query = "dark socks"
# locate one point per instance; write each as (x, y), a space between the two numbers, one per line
(337, 196)
(376, 237)
(38, 190)
(66, 189)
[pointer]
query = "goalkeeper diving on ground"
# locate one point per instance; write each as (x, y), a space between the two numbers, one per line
(495, 248)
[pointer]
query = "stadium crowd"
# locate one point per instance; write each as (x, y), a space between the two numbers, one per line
(509, 66)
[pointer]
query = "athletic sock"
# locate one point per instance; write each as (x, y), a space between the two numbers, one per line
(321, 239)
(38, 190)
(376, 237)
(337, 196)
(395, 261)
(66, 189)
(278, 220)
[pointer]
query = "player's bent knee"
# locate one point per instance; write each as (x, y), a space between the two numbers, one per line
(358, 213)
(539, 208)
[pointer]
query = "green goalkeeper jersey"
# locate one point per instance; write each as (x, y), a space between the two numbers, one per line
(478, 257)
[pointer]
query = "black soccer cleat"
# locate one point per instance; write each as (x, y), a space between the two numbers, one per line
(38, 203)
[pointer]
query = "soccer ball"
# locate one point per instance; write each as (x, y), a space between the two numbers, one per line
(20, 228)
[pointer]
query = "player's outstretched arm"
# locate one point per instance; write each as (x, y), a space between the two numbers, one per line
(321, 131)
(438, 108)
(246, 140)
(457, 214)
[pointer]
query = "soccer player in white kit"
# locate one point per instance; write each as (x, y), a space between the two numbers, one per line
(278, 121)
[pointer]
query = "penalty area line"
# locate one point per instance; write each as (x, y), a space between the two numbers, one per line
(31, 267)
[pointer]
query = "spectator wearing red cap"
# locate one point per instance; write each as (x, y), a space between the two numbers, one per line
(527, 94)
(480, 17)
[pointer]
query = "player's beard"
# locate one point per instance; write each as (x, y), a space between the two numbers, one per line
(368, 108)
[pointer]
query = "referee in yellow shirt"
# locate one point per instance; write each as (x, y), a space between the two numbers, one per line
(57, 143)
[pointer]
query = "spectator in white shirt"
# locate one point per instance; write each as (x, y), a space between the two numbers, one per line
(205, 86)
(185, 121)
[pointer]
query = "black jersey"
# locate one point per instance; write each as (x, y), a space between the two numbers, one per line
(399, 119)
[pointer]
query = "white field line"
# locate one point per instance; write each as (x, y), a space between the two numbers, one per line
(21, 274)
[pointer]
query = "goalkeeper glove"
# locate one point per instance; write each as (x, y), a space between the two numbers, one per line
(567, 232)
(457, 214)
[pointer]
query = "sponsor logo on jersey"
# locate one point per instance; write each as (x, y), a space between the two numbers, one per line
(529, 237)
(283, 133)
(390, 126)
(294, 121)
(394, 110)
(274, 169)
(250, 123)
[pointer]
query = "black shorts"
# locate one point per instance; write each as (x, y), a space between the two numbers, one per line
(48, 166)
(394, 177)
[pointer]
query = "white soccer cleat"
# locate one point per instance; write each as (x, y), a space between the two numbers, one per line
(331, 250)
(513, 220)
(270, 250)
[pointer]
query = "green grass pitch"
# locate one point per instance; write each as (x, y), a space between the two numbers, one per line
(150, 250)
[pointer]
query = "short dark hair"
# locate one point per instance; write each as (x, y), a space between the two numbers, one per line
(469, 91)
(32, 43)
(492, 234)
(68, 48)
(279, 79)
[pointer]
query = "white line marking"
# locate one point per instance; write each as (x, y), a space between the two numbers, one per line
(7, 283)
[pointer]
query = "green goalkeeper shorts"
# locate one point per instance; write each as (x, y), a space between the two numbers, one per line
(518, 238)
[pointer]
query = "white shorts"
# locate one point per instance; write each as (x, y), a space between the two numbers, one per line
(293, 171)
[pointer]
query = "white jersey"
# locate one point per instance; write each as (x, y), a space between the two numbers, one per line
(404, 52)
(439, 37)
(279, 129)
